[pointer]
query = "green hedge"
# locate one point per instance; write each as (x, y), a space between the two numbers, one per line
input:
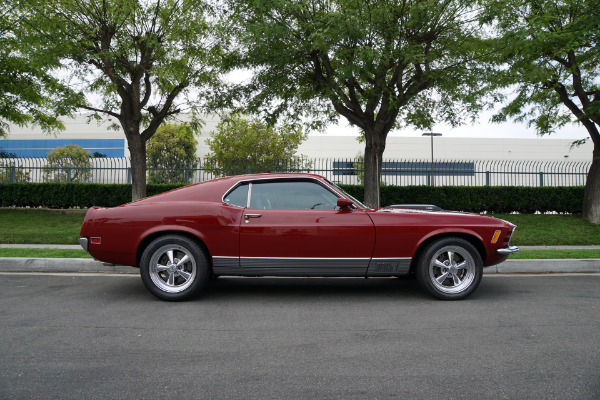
(70, 195)
(492, 199)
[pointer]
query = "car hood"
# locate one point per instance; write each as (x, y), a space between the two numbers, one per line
(440, 214)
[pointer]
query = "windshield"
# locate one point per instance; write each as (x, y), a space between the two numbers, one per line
(358, 203)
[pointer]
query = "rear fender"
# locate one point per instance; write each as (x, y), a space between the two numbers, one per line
(157, 230)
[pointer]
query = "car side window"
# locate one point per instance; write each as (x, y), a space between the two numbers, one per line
(291, 195)
(238, 196)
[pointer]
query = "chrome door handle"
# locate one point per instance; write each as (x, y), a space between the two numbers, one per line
(248, 216)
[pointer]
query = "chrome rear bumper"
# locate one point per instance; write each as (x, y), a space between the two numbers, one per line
(83, 242)
(509, 250)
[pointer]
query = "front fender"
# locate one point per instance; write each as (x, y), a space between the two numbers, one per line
(448, 232)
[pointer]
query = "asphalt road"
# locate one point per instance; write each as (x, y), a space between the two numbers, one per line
(106, 337)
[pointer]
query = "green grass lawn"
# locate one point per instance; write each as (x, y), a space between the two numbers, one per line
(36, 226)
(559, 254)
(552, 230)
(32, 226)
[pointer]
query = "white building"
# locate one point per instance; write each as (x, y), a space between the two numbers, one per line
(32, 142)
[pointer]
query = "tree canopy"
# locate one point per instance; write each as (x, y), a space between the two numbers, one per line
(142, 61)
(29, 93)
(379, 64)
(548, 52)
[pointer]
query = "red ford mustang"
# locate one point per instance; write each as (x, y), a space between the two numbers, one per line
(290, 225)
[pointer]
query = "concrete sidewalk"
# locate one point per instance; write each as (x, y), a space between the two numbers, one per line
(84, 265)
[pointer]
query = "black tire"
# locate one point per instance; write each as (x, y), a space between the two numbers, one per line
(174, 268)
(449, 268)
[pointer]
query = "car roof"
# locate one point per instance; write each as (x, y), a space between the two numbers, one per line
(238, 178)
(213, 190)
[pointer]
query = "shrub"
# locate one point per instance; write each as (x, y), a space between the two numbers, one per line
(70, 195)
(69, 163)
(171, 153)
(10, 173)
(491, 199)
(240, 146)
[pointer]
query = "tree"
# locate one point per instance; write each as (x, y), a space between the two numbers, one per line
(29, 94)
(241, 145)
(550, 52)
(146, 59)
(171, 154)
(69, 163)
(379, 64)
(9, 172)
(5, 154)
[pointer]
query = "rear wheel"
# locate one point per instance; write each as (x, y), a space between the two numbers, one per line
(174, 268)
(450, 268)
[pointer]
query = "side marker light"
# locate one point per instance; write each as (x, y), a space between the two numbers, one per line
(496, 236)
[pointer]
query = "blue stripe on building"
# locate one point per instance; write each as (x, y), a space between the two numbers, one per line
(36, 148)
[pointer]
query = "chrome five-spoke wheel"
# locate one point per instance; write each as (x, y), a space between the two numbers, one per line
(174, 267)
(450, 268)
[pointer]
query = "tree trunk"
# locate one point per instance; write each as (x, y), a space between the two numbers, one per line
(137, 150)
(374, 147)
(591, 195)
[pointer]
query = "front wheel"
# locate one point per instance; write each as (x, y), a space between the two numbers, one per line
(450, 268)
(174, 268)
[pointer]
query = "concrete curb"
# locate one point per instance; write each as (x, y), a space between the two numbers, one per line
(589, 265)
(8, 264)
(86, 265)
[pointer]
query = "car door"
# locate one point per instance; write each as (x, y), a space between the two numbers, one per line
(294, 227)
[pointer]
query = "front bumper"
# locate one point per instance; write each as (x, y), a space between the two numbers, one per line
(509, 250)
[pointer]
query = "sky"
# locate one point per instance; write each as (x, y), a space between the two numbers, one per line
(481, 129)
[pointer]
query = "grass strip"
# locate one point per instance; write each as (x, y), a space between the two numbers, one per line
(44, 253)
(552, 230)
(555, 254)
(31, 226)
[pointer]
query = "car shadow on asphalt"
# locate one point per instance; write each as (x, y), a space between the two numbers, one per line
(297, 289)
(300, 288)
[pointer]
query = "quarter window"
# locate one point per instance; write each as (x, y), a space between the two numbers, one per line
(238, 196)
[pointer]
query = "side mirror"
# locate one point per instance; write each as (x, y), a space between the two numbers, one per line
(344, 203)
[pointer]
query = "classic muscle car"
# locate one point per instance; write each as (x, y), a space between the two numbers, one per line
(290, 225)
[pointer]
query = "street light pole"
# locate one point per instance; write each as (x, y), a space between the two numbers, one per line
(431, 134)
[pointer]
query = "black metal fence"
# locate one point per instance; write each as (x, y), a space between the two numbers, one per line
(346, 171)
